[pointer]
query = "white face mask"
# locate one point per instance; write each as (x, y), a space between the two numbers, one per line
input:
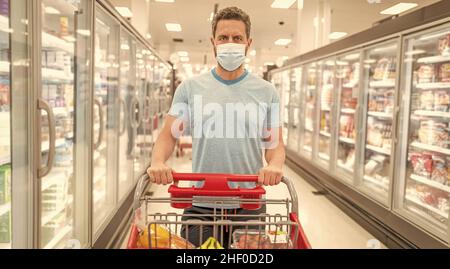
(231, 56)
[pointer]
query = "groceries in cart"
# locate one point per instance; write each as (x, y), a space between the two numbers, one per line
(255, 239)
(211, 243)
(162, 238)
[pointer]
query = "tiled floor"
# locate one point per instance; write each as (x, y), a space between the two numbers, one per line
(326, 226)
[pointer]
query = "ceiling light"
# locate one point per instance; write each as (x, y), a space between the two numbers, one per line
(124, 12)
(183, 54)
(173, 27)
(52, 11)
(337, 35)
(282, 3)
(268, 63)
(165, 1)
(184, 59)
(283, 42)
(399, 8)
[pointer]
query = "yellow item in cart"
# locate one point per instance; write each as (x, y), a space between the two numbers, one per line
(211, 243)
(162, 238)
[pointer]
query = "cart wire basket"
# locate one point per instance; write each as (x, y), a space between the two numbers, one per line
(237, 231)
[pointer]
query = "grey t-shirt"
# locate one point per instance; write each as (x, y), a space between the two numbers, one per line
(228, 121)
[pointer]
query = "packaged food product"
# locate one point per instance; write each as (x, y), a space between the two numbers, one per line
(254, 239)
(439, 173)
(389, 103)
(385, 69)
(434, 133)
(444, 45)
(444, 72)
(161, 237)
(422, 164)
(441, 101)
(426, 73)
(427, 100)
(211, 243)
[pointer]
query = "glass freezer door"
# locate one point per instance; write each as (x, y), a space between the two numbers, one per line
(65, 81)
(137, 112)
(106, 123)
(126, 133)
(347, 77)
(285, 98)
(326, 104)
(309, 93)
(424, 189)
(379, 85)
(294, 110)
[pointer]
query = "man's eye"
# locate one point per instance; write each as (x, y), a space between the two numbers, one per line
(238, 38)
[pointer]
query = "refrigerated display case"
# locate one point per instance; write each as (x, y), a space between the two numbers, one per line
(347, 82)
(106, 120)
(379, 87)
(309, 99)
(424, 161)
(326, 104)
(294, 110)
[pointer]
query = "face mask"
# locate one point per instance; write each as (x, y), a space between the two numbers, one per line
(231, 55)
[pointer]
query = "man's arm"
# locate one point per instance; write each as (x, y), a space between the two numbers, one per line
(159, 172)
(275, 157)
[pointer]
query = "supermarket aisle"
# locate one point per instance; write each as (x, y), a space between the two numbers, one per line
(325, 225)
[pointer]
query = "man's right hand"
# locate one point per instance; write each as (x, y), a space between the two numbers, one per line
(160, 174)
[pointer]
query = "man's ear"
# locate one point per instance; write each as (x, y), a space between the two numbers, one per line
(249, 44)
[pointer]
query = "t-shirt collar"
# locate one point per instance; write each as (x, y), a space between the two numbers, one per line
(229, 82)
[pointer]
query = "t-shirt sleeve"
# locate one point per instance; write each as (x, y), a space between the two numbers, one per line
(180, 102)
(273, 112)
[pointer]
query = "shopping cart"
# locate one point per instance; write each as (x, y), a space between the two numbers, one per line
(215, 190)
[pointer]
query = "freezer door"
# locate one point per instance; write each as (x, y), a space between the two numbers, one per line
(379, 90)
(347, 82)
(423, 191)
(65, 83)
(308, 109)
(106, 118)
(285, 99)
(326, 111)
(141, 146)
(127, 132)
(294, 110)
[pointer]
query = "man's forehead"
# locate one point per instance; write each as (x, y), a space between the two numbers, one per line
(230, 27)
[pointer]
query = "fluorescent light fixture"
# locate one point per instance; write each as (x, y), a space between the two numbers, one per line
(282, 3)
(253, 53)
(399, 8)
(184, 59)
(52, 11)
(268, 63)
(183, 54)
(342, 63)
(124, 12)
(165, 1)
(352, 57)
(283, 42)
(173, 27)
(84, 32)
(300, 4)
(337, 35)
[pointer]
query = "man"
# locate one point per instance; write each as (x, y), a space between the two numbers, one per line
(199, 106)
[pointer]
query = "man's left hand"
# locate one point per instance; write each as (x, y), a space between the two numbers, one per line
(270, 175)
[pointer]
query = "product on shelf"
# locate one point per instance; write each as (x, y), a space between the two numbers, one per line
(422, 164)
(434, 133)
(347, 127)
(4, 97)
(161, 237)
(375, 164)
(5, 184)
(385, 69)
(430, 196)
(440, 171)
(379, 133)
(381, 100)
(444, 45)
(347, 99)
(255, 239)
(426, 73)
(444, 72)
(327, 97)
(325, 122)
(5, 228)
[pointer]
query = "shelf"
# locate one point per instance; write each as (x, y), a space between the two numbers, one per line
(379, 150)
(433, 86)
(54, 42)
(309, 129)
(416, 201)
(431, 183)
(324, 156)
(434, 59)
(325, 109)
(325, 133)
(345, 168)
(430, 148)
(5, 159)
(47, 218)
(5, 208)
(307, 148)
(380, 114)
(49, 74)
(383, 84)
(53, 179)
(58, 143)
(347, 140)
(60, 111)
(428, 113)
(350, 85)
(376, 182)
(348, 110)
(59, 236)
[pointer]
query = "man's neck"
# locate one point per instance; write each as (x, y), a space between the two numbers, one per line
(227, 75)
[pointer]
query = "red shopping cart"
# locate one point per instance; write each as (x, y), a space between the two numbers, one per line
(282, 230)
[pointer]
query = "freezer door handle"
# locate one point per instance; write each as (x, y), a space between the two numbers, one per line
(100, 115)
(123, 107)
(135, 111)
(43, 105)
